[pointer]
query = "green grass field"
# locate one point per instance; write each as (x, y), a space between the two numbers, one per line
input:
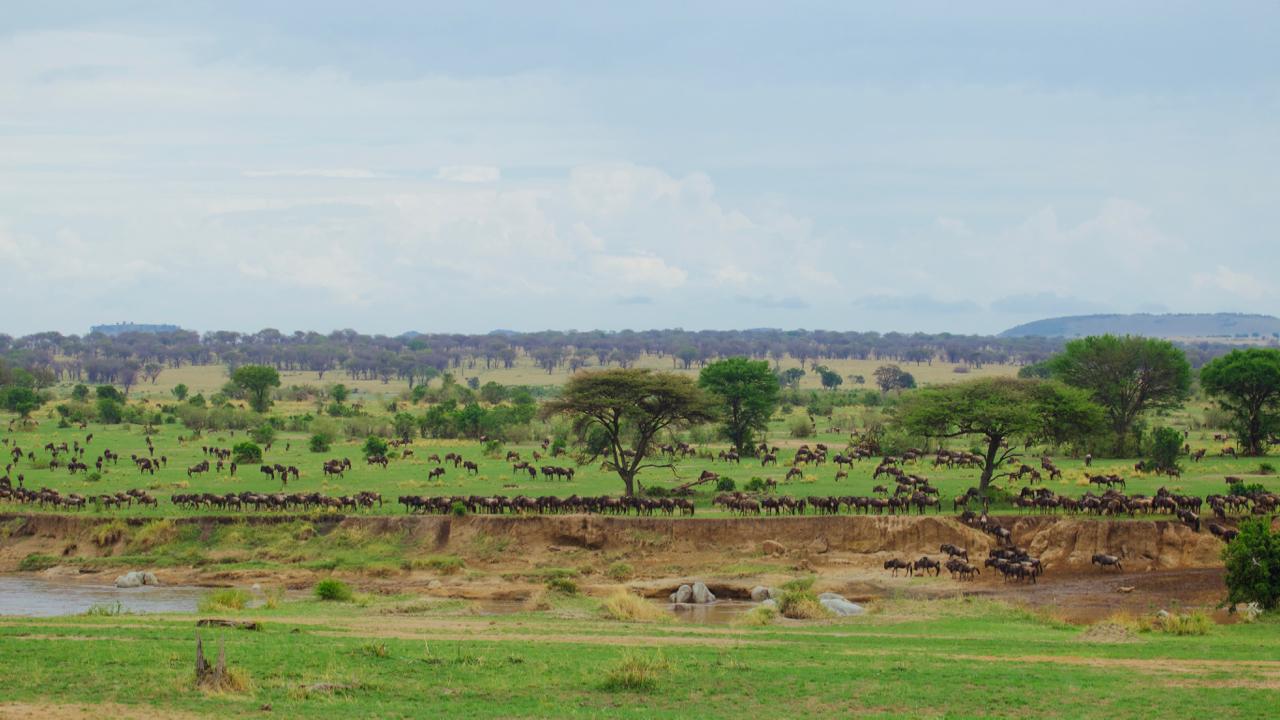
(495, 476)
(393, 657)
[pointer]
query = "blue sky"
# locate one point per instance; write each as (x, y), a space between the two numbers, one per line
(463, 167)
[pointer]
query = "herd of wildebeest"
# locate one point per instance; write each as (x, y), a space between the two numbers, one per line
(903, 492)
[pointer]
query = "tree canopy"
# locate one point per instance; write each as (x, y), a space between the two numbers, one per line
(1126, 376)
(747, 393)
(1002, 412)
(1246, 383)
(618, 414)
(257, 381)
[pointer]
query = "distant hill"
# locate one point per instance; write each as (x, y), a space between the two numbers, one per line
(127, 327)
(1219, 326)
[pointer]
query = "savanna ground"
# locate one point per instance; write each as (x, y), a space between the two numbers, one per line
(927, 648)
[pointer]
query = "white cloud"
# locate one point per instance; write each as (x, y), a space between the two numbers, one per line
(469, 173)
(1234, 283)
(640, 270)
(336, 173)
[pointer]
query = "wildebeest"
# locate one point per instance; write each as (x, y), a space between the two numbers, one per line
(1103, 560)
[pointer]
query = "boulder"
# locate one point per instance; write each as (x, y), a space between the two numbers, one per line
(839, 606)
(761, 593)
(770, 603)
(773, 547)
(683, 594)
(149, 578)
(131, 580)
(701, 594)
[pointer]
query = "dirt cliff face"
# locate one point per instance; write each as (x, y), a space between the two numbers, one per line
(1063, 543)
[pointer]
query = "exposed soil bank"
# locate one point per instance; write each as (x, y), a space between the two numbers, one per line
(1063, 543)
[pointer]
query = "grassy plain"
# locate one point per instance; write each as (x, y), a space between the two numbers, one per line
(409, 657)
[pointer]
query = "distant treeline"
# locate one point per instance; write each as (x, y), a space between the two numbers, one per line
(127, 358)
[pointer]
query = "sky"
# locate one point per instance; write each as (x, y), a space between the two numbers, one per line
(463, 167)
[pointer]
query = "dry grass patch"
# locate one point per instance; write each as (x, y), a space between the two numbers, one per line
(622, 605)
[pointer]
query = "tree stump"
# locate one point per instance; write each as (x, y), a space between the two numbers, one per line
(210, 676)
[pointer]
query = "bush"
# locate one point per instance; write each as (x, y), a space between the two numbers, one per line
(443, 564)
(627, 607)
(620, 571)
(110, 412)
(758, 616)
(635, 671)
(725, 484)
(800, 427)
(224, 600)
(458, 509)
(375, 445)
(754, 485)
(562, 585)
(1195, 623)
(801, 605)
(334, 590)
(246, 453)
(263, 434)
(1253, 565)
(319, 443)
(1266, 469)
(1166, 446)
(35, 562)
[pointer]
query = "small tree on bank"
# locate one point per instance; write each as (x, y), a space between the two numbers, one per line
(1246, 383)
(747, 392)
(618, 413)
(1002, 413)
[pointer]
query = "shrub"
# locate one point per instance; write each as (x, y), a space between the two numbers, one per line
(224, 600)
(161, 532)
(319, 443)
(1195, 623)
(619, 571)
(1166, 446)
(1237, 488)
(725, 484)
(562, 585)
(458, 509)
(35, 562)
(1266, 469)
(110, 533)
(263, 434)
(1253, 565)
(375, 445)
(758, 616)
(800, 427)
(246, 453)
(334, 590)
(627, 607)
(801, 605)
(636, 672)
(93, 477)
(443, 564)
(754, 485)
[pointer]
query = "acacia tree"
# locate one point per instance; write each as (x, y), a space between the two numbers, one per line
(256, 381)
(1003, 413)
(892, 377)
(1126, 376)
(1246, 384)
(617, 414)
(747, 392)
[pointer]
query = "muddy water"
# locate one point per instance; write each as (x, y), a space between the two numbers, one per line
(39, 597)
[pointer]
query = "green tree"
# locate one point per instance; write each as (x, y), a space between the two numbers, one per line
(246, 453)
(110, 412)
(256, 381)
(1002, 412)
(892, 377)
(619, 413)
(1252, 560)
(108, 392)
(80, 392)
(747, 393)
(405, 425)
(339, 393)
(1126, 376)
(20, 400)
(1246, 383)
(1166, 446)
(264, 434)
(830, 378)
(180, 391)
(493, 393)
(791, 377)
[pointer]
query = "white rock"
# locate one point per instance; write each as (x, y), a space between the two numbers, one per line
(683, 594)
(131, 580)
(770, 603)
(841, 607)
(760, 593)
(701, 594)
(149, 578)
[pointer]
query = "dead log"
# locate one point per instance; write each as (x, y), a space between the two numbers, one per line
(236, 624)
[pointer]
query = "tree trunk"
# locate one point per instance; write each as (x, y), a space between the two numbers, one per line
(629, 481)
(989, 467)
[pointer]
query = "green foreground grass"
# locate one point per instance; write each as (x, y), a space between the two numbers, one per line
(410, 657)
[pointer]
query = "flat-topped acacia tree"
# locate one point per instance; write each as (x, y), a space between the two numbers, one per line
(618, 413)
(1002, 413)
